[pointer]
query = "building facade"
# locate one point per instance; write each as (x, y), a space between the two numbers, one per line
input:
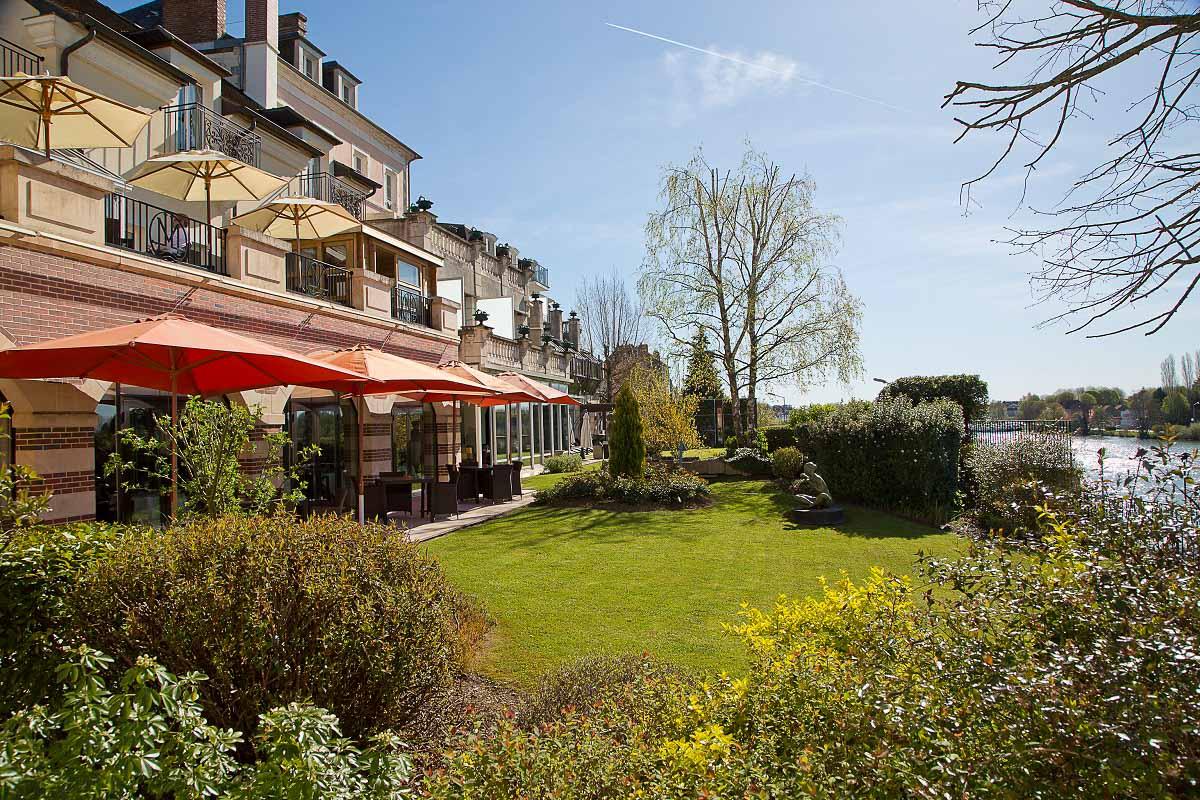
(82, 249)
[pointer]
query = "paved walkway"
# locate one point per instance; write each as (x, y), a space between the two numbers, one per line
(476, 515)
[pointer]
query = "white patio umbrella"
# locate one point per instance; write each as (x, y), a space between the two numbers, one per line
(298, 218)
(205, 175)
(32, 107)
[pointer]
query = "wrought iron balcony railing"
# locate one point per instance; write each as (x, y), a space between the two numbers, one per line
(411, 306)
(541, 275)
(323, 186)
(585, 368)
(163, 234)
(314, 278)
(15, 59)
(192, 126)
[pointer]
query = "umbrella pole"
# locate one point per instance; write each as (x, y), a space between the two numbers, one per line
(207, 202)
(47, 93)
(174, 450)
(362, 504)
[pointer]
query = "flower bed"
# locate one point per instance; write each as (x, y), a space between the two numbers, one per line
(660, 486)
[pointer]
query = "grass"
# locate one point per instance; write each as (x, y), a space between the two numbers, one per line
(567, 582)
(703, 452)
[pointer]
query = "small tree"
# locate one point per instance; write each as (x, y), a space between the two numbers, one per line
(702, 379)
(209, 436)
(668, 417)
(1175, 408)
(627, 448)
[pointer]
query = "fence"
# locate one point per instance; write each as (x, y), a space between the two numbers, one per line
(15, 59)
(168, 235)
(317, 279)
(1003, 431)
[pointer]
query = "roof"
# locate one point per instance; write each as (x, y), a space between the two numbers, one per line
(341, 170)
(158, 36)
(147, 15)
(330, 66)
(289, 117)
(234, 99)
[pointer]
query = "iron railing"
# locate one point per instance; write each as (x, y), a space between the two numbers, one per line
(192, 126)
(168, 235)
(1004, 431)
(411, 306)
(314, 278)
(541, 275)
(16, 59)
(584, 368)
(323, 186)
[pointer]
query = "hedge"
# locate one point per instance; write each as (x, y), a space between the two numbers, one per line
(779, 437)
(890, 455)
(970, 392)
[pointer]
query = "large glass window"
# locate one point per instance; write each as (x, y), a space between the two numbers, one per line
(408, 425)
(137, 409)
(323, 422)
(526, 432)
(467, 431)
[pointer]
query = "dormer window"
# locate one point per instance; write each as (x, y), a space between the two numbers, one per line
(310, 67)
(347, 93)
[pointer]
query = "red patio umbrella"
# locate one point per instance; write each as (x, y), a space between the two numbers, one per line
(170, 353)
(389, 374)
(544, 393)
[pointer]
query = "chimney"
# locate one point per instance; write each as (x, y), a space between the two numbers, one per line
(194, 20)
(573, 330)
(293, 24)
(555, 327)
(262, 22)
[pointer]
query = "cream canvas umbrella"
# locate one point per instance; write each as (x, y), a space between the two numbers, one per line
(50, 112)
(298, 218)
(205, 175)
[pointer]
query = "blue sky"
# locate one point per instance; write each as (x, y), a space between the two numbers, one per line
(540, 123)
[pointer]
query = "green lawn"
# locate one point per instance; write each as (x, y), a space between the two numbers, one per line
(563, 583)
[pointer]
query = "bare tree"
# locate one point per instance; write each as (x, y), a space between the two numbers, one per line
(1170, 378)
(1187, 370)
(1127, 230)
(611, 320)
(742, 256)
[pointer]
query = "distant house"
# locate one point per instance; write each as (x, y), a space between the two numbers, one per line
(1129, 420)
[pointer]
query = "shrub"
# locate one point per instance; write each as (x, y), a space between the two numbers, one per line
(567, 462)
(147, 737)
(660, 485)
(787, 463)
(750, 461)
(803, 415)
(1009, 479)
(970, 392)
(626, 447)
(1063, 669)
(731, 446)
(634, 682)
(779, 437)
(39, 567)
(352, 617)
(890, 454)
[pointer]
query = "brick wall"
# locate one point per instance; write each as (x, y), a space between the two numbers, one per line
(194, 20)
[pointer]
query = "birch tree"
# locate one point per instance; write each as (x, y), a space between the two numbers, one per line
(611, 319)
(742, 256)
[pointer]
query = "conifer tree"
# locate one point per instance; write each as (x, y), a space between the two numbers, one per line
(626, 448)
(702, 379)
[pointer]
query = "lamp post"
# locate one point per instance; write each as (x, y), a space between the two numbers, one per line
(881, 380)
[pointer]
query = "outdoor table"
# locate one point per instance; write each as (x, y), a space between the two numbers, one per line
(412, 480)
(470, 478)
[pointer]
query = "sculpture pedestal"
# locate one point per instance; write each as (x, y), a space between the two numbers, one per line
(818, 517)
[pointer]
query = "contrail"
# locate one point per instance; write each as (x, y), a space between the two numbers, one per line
(752, 65)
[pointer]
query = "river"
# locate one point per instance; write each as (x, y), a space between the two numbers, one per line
(1120, 454)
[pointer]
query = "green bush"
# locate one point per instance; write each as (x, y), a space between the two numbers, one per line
(147, 737)
(352, 617)
(750, 462)
(626, 446)
(970, 392)
(660, 485)
(39, 567)
(1063, 669)
(779, 437)
(634, 682)
(567, 462)
(1010, 479)
(787, 463)
(890, 455)
(731, 446)
(803, 415)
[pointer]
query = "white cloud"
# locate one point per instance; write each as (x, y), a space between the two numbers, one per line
(704, 82)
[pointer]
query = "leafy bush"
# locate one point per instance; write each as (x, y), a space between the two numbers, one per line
(632, 681)
(626, 446)
(1060, 670)
(803, 415)
(890, 454)
(731, 446)
(779, 437)
(351, 617)
(970, 392)
(567, 462)
(147, 737)
(750, 461)
(1009, 479)
(38, 570)
(787, 463)
(660, 485)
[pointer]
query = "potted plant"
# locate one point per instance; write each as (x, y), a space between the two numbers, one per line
(523, 331)
(536, 295)
(423, 203)
(502, 250)
(476, 235)
(555, 306)
(480, 316)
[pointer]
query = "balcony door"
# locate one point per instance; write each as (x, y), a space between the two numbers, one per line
(323, 422)
(189, 133)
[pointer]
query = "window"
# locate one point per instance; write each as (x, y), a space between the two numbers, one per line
(310, 67)
(360, 163)
(407, 440)
(389, 189)
(347, 92)
(407, 273)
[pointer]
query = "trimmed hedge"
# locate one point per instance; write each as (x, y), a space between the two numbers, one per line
(567, 462)
(970, 392)
(890, 455)
(659, 485)
(779, 437)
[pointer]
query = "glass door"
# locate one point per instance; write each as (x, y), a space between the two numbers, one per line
(319, 422)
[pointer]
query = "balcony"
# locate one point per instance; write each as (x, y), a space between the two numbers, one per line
(192, 126)
(313, 278)
(538, 274)
(585, 369)
(410, 306)
(15, 59)
(168, 235)
(323, 186)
